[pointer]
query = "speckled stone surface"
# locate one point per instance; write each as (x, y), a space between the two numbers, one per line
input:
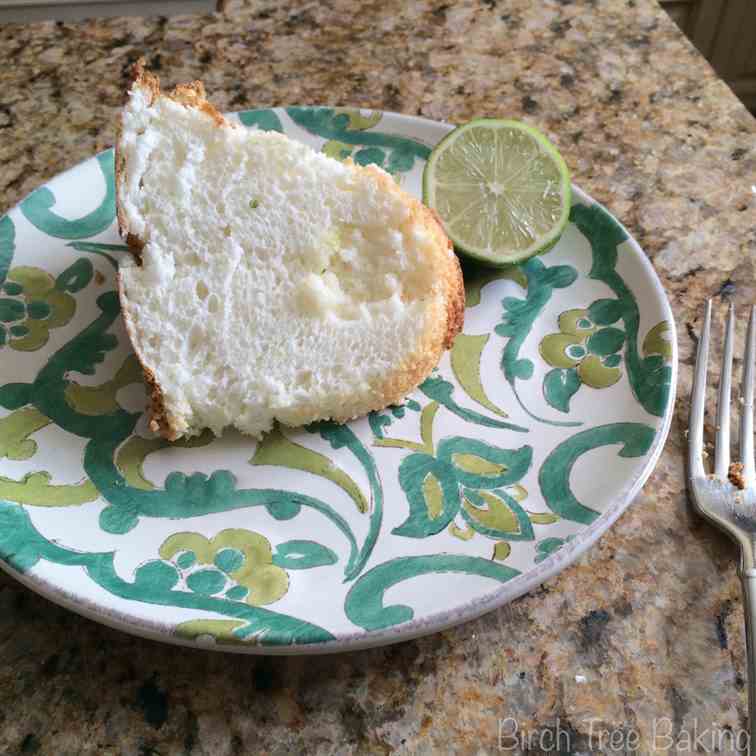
(643, 637)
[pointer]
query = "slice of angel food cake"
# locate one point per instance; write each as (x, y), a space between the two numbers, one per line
(270, 282)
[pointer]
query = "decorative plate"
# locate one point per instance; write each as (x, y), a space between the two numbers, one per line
(528, 441)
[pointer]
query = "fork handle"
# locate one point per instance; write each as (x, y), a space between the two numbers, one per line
(748, 578)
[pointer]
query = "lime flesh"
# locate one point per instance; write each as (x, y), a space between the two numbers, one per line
(501, 189)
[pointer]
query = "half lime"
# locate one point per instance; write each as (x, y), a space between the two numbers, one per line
(501, 189)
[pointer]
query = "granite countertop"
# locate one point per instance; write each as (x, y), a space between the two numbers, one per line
(644, 635)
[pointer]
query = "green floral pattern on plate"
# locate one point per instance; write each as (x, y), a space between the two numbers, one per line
(479, 485)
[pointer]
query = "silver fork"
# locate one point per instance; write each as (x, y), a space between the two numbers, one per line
(726, 505)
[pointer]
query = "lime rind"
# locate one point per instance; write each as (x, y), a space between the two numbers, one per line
(544, 240)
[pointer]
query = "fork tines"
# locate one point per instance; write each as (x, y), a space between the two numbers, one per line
(698, 401)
